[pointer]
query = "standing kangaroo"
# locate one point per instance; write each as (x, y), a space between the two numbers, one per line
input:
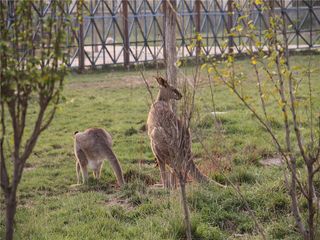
(91, 147)
(166, 131)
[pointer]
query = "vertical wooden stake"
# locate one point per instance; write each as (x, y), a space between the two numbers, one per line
(198, 26)
(164, 10)
(126, 50)
(170, 43)
(230, 25)
(81, 35)
(96, 39)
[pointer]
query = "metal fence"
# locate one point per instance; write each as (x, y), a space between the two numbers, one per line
(127, 32)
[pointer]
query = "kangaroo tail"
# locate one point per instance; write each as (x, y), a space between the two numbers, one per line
(115, 166)
(200, 177)
(197, 174)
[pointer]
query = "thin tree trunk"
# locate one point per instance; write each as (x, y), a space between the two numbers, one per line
(11, 206)
(294, 200)
(185, 208)
(311, 209)
(170, 44)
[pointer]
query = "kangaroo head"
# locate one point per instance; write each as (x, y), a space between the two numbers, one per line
(167, 92)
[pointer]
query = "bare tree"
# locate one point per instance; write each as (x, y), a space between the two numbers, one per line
(170, 17)
(32, 72)
(273, 62)
(181, 160)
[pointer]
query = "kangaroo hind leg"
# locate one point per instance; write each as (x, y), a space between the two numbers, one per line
(78, 169)
(165, 175)
(83, 162)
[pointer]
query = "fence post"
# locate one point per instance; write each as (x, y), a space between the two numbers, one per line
(126, 50)
(230, 25)
(271, 5)
(198, 26)
(271, 10)
(95, 36)
(11, 9)
(170, 43)
(81, 35)
(164, 10)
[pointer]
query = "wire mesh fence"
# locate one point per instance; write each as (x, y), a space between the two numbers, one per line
(107, 32)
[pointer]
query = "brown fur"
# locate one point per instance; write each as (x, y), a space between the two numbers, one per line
(91, 147)
(170, 139)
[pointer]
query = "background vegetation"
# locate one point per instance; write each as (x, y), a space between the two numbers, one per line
(233, 143)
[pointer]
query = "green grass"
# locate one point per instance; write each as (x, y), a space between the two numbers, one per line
(50, 208)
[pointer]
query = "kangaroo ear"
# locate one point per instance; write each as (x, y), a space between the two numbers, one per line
(162, 82)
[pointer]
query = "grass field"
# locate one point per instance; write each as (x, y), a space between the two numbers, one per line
(49, 207)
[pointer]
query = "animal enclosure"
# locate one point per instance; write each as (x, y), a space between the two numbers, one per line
(218, 131)
(107, 32)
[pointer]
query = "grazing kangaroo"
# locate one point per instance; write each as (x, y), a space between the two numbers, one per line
(91, 147)
(168, 135)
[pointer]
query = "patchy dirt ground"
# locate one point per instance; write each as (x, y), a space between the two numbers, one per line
(273, 161)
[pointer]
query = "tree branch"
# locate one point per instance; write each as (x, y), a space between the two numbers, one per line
(5, 182)
(266, 126)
